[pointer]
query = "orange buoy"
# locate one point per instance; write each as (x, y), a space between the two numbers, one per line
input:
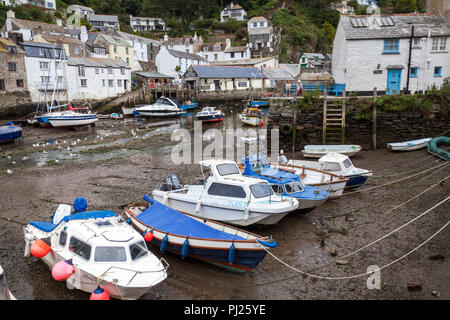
(99, 294)
(62, 270)
(39, 248)
(148, 236)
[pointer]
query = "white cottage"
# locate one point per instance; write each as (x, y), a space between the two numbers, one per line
(375, 52)
(95, 78)
(233, 11)
(175, 63)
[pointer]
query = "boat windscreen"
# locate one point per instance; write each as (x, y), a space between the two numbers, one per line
(110, 254)
(138, 250)
(347, 163)
(293, 187)
(261, 190)
(227, 168)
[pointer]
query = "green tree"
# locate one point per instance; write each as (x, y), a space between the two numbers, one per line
(405, 6)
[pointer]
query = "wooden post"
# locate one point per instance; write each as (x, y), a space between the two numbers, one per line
(294, 125)
(324, 132)
(344, 105)
(374, 119)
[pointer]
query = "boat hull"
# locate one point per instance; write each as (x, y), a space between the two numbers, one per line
(318, 151)
(214, 118)
(72, 121)
(156, 114)
(234, 216)
(10, 135)
(246, 258)
(409, 145)
(356, 181)
(250, 121)
(127, 111)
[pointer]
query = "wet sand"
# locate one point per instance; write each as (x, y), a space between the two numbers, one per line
(115, 169)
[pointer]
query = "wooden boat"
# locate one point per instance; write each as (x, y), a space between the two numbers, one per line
(10, 132)
(317, 151)
(226, 196)
(251, 117)
(189, 236)
(439, 151)
(409, 145)
(99, 248)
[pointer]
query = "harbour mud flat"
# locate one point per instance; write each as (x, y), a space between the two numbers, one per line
(116, 163)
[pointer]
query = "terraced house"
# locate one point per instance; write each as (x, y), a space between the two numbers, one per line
(12, 67)
(393, 53)
(117, 48)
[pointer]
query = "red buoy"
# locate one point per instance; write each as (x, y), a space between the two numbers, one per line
(99, 294)
(62, 270)
(261, 123)
(39, 248)
(148, 236)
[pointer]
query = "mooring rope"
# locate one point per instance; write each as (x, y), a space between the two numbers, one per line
(306, 273)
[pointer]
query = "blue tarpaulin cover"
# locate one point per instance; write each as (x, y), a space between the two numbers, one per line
(165, 219)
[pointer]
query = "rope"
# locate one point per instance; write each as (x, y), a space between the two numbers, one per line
(388, 183)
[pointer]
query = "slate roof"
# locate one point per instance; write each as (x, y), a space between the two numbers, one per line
(103, 17)
(292, 68)
(152, 74)
(187, 55)
(220, 72)
(133, 37)
(98, 62)
(4, 43)
(115, 40)
(236, 49)
(32, 50)
(401, 29)
(38, 26)
(277, 74)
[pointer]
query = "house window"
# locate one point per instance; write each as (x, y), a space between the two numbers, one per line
(261, 24)
(45, 80)
(41, 52)
(2, 85)
(97, 71)
(215, 56)
(111, 83)
(119, 83)
(416, 42)
(104, 82)
(437, 71)
(81, 71)
(255, 24)
(83, 82)
(110, 70)
(75, 50)
(413, 72)
(19, 83)
(12, 49)
(128, 60)
(242, 84)
(122, 70)
(11, 66)
(126, 50)
(231, 54)
(115, 49)
(391, 46)
(43, 65)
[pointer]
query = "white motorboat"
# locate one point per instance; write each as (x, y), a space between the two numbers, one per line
(226, 196)
(163, 107)
(127, 111)
(95, 251)
(337, 164)
(317, 151)
(209, 114)
(312, 176)
(409, 145)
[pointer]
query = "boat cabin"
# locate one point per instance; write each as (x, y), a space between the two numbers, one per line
(337, 163)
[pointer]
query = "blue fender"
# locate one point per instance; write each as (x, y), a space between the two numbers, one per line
(231, 253)
(185, 249)
(164, 242)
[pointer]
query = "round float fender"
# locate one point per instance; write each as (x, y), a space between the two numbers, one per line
(152, 84)
(285, 128)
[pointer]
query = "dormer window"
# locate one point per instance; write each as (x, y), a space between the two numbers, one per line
(12, 49)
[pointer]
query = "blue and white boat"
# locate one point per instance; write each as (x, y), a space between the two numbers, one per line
(260, 103)
(209, 114)
(286, 183)
(409, 145)
(9, 132)
(188, 105)
(92, 250)
(189, 236)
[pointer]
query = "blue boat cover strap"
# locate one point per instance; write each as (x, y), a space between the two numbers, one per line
(48, 227)
(168, 220)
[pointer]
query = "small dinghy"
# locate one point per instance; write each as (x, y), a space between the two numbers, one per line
(10, 132)
(225, 246)
(439, 151)
(409, 145)
(188, 105)
(251, 117)
(287, 184)
(317, 151)
(95, 251)
(226, 196)
(209, 114)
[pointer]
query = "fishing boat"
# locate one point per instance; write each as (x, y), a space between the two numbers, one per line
(409, 145)
(337, 164)
(188, 105)
(226, 196)
(189, 236)
(439, 151)
(5, 294)
(209, 114)
(163, 107)
(10, 132)
(94, 251)
(317, 151)
(286, 183)
(251, 117)
(332, 183)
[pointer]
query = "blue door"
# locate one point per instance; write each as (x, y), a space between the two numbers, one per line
(394, 77)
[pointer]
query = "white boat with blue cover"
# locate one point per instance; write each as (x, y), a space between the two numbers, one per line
(317, 151)
(189, 236)
(99, 248)
(226, 196)
(409, 145)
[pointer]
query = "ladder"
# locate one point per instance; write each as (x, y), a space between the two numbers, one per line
(334, 120)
